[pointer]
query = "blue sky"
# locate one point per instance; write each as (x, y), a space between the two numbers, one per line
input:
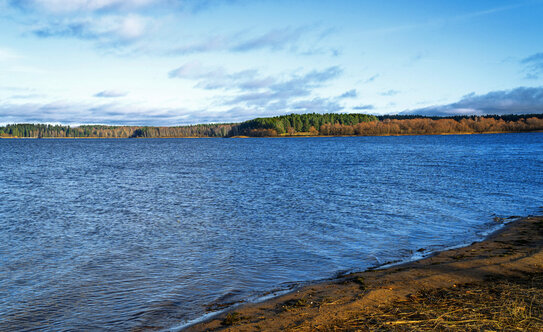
(172, 62)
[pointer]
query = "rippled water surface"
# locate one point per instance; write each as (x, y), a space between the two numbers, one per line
(116, 234)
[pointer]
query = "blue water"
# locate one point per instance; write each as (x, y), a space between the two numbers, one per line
(121, 234)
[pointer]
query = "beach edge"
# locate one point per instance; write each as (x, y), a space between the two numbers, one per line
(514, 249)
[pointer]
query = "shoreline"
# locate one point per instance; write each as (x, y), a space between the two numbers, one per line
(284, 136)
(513, 251)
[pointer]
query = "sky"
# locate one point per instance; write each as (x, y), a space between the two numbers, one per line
(176, 62)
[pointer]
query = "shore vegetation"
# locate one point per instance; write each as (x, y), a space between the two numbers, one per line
(293, 125)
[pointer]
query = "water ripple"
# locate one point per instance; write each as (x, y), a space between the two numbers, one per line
(120, 234)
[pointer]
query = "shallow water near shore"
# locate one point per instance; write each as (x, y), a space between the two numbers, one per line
(115, 234)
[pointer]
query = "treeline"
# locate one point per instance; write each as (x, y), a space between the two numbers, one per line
(369, 125)
(297, 125)
(505, 117)
(98, 131)
(202, 130)
(428, 126)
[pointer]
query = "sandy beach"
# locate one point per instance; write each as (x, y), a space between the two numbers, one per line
(496, 284)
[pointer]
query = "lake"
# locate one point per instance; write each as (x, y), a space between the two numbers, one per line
(127, 233)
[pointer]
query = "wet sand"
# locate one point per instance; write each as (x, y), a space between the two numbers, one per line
(493, 284)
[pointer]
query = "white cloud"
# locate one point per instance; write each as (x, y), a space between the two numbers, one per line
(111, 94)
(389, 93)
(521, 100)
(67, 6)
(195, 70)
(294, 39)
(131, 27)
(533, 65)
(23, 69)
(275, 39)
(367, 107)
(349, 94)
(104, 29)
(8, 55)
(319, 105)
(92, 113)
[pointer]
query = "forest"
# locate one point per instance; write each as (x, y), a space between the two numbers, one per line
(297, 123)
(312, 124)
(99, 131)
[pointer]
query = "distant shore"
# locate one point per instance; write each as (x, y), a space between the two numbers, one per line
(296, 125)
(495, 284)
(283, 136)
